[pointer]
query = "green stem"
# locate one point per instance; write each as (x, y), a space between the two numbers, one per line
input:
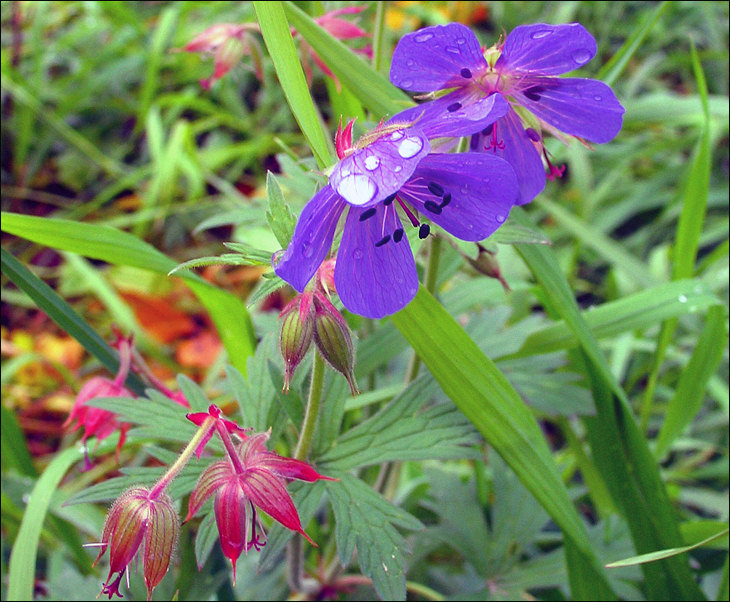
(294, 552)
(378, 34)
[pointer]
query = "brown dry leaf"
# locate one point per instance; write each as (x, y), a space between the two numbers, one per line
(159, 317)
(199, 351)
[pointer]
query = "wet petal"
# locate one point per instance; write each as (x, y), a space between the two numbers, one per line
(469, 195)
(546, 49)
(519, 151)
(374, 281)
(375, 172)
(586, 108)
(460, 113)
(312, 238)
(435, 58)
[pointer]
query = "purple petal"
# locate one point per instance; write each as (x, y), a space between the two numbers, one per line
(518, 150)
(469, 195)
(460, 113)
(373, 173)
(546, 49)
(375, 281)
(312, 238)
(586, 108)
(438, 57)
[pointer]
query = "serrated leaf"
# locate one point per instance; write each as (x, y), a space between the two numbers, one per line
(668, 553)
(512, 234)
(280, 217)
(366, 521)
(199, 402)
(225, 259)
(396, 432)
(252, 254)
(264, 288)
(205, 539)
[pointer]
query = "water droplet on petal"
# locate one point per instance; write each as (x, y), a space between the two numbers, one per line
(424, 37)
(345, 172)
(397, 169)
(500, 218)
(357, 189)
(371, 162)
(410, 63)
(410, 147)
(453, 50)
(461, 40)
(581, 56)
(541, 33)
(307, 250)
(396, 135)
(406, 83)
(598, 98)
(357, 254)
(682, 299)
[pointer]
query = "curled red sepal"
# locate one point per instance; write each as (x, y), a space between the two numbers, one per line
(343, 139)
(198, 418)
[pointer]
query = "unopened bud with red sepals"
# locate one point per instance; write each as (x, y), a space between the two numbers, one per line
(333, 339)
(486, 263)
(297, 327)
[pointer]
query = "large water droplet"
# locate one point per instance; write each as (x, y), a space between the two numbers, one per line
(357, 254)
(541, 33)
(410, 147)
(500, 218)
(581, 56)
(357, 189)
(453, 50)
(424, 37)
(396, 135)
(371, 162)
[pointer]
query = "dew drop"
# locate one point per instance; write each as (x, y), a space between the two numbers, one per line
(682, 299)
(410, 147)
(410, 63)
(307, 250)
(396, 135)
(357, 189)
(541, 33)
(581, 56)
(357, 254)
(598, 98)
(424, 37)
(461, 40)
(345, 172)
(406, 83)
(397, 169)
(453, 50)
(372, 162)
(500, 218)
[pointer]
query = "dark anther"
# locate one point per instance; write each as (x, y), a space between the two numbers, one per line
(423, 231)
(435, 188)
(367, 214)
(398, 235)
(532, 135)
(432, 207)
(534, 92)
(446, 200)
(474, 142)
(389, 200)
(465, 73)
(383, 240)
(453, 107)
(487, 131)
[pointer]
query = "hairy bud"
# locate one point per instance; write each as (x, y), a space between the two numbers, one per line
(333, 339)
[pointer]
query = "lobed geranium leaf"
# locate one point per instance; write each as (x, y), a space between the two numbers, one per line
(366, 521)
(396, 432)
(280, 216)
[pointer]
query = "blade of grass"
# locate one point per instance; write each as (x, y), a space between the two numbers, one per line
(279, 42)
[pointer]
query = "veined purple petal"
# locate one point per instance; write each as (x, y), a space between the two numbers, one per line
(586, 108)
(375, 172)
(546, 49)
(312, 238)
(469, 195)
(513, 145)
(435, 58)
(461, 113)
(375, 278)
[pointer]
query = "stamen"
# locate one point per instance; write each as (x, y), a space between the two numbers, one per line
(398, 235)
(435, 188)
(465, 73)
(367, 214)
(532, 135)
(474, 142)
(453, 107)
(409, 213)
(534, 92)
(432, 207)
(487, 131)
(446, 200)
(383, 240)
(390, 199)
(423, 231)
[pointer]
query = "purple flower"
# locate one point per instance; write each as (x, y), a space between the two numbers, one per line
(525, 74)
(387, 175)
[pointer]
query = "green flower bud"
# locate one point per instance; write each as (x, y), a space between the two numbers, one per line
(334, 340)
(296, 334)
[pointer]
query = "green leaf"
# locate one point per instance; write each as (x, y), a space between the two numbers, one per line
(660, 554)
(371, 87)
(225, 259)
(366, 521)
(488, 400)
(280, 217)
(15, 454)
(229, 314)
(278, 39)
(396, 432)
